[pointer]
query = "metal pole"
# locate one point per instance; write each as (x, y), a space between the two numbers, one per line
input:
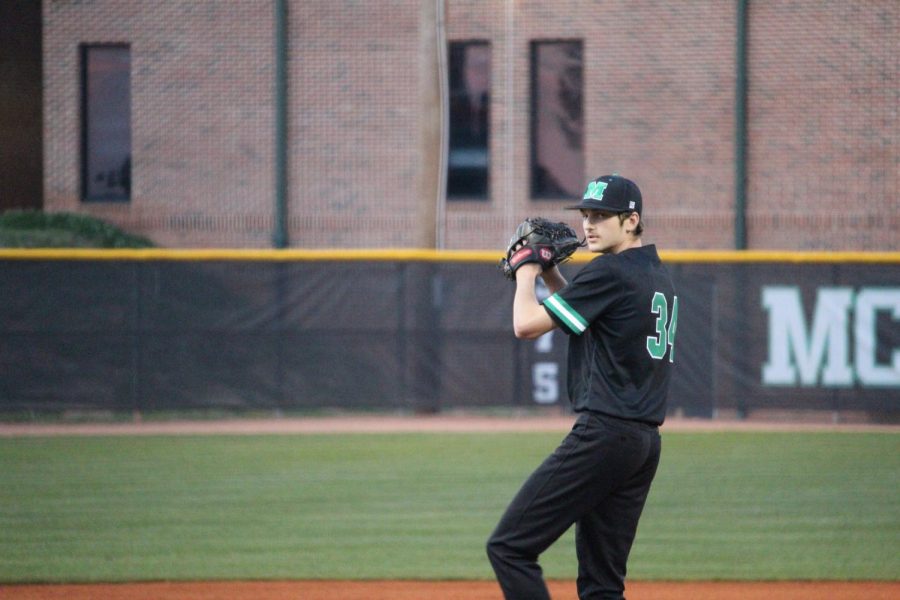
(740, 129)
(280, 233)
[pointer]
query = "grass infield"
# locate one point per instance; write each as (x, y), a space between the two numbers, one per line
(726, 505)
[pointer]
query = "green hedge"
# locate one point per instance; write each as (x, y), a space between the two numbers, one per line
(35, 229)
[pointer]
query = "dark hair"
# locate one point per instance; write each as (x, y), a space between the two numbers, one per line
(623, 216)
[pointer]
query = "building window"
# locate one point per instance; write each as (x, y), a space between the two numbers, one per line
(106, 123)
(557, 122)
(468, 165)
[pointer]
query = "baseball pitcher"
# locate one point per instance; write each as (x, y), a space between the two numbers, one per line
(621, 314)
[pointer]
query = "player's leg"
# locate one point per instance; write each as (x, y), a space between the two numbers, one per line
(547, 504)
(603, 537)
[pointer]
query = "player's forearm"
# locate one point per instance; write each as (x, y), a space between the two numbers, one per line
(530, 319)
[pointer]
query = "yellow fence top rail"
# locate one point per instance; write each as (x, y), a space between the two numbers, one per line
(426, 255)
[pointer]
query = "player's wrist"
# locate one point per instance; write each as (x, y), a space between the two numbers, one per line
(529, 270)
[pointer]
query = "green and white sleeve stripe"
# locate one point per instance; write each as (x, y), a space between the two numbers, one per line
(567, 315)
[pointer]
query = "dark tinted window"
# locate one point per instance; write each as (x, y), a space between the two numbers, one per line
(557, 124)
(470, 99)
(106, 122)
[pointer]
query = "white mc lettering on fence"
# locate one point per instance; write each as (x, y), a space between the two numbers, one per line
(821, 354)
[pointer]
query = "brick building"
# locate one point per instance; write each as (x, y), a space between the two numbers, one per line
(162, 118)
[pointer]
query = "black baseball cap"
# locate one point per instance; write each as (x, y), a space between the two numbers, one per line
(611, 193)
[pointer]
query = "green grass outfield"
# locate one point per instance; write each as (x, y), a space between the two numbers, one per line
(725, 505)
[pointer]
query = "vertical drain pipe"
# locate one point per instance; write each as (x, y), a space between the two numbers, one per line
(740, 130)
(280, 233)
(430, 123)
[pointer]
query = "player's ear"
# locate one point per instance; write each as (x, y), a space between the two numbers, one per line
(631, 223)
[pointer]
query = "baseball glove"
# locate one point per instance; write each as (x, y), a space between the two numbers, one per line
(540, 241)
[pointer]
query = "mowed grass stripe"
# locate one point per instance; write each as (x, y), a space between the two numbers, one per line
(724, 506)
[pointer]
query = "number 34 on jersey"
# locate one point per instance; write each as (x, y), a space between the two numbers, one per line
(665, 327)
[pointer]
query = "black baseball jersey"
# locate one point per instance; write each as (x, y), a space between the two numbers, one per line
(621, 314)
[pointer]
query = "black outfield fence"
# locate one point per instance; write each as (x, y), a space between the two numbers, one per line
(148, 330)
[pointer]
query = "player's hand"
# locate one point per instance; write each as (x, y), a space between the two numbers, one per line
(538, 241)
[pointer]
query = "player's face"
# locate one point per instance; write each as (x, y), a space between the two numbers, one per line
(603, 231)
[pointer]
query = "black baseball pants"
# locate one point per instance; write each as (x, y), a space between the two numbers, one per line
(598, 478)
